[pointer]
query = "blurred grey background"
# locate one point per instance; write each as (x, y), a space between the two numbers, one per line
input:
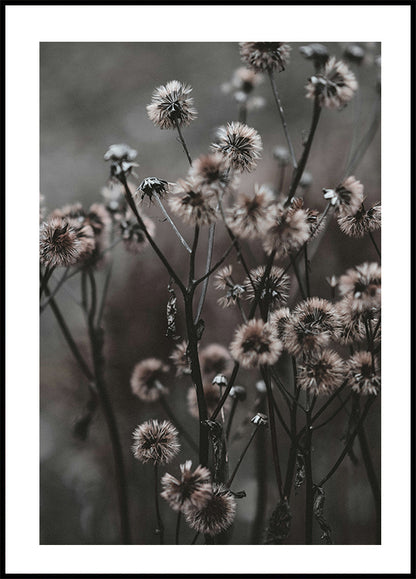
(94, 95)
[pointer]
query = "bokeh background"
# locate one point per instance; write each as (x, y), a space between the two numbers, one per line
(94, 95)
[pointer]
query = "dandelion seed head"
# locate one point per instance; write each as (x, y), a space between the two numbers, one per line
(156, 442)
(193, 489)
(322, 372)
(214, 359)
(172, 104)
(251, 215)
(289, 231)
(274, 290)
(239, 145)
(363, 284)
(193, 203)
(255, 343)
(363, 378)
(313, 323)
(334, 87)
(265, 56)
(212, 173)
(65, 242)
(217, 514)
(146, 379)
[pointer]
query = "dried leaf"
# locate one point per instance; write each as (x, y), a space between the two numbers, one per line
(318, 511)
(300, 471)
(279, 524)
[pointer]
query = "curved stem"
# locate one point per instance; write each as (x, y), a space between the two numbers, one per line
(175, 229)
(302, 163)
(283, 119)
(149, 238)
(182, 141)
(242, 455)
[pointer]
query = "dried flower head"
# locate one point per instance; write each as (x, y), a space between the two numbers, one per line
(260, 419)
(223, 277)
(321, 372)
(146, 379)
(220, 380)
(217, 514)
(251, 215)
(133, 234)
(313, 323)
(64, 242)
(274, 290)
(212, 173)
(151, 186)
(212, 397)
(193, 203)
(363, 284)
(193, 489)
(334, 87)
(214, 359)
(305, 180)
(232, 295)
(279, 320)
(316, 52)
(347, 198)
(171, 105)
(238, 392)
(364, 373)
(114, 199)
(243, 80)
(352, 321)
(265, 56)
(289, 231)
(362, 222)
(255, 343)
(156, 442)
(122, 159)
(239, 145)
(314, 219)
(180, 359)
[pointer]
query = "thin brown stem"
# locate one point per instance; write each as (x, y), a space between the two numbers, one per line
(273, 434)
(242, 455)
(171, 223)
(160, 529)
(282, 118)
(182, 141)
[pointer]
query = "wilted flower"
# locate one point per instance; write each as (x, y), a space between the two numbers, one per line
(347, 198)
(192, 203)
(194, 489)
(231, 297)
(223, 277)
(321, 372)
(240, 146)
(289, 231)
(180, 359)
(364, 374)
(265, 56)
(362, 222)
(243, 80)
(351, 320)
(314, 219)
(260, 419)
(64, 242)
(114, 199)
(156, 442)
(255, 343)
(363, 284)
(279, 320)
(274, 290)
(146, 379)
(152, 185)
(313, 323)
(251, 215)
(217, 514)
(133, 234)
(214, 359)
(334, 87)
(171, 105)
(212, 173)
